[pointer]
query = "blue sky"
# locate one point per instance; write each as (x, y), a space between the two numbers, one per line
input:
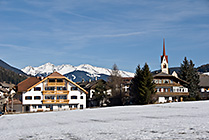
(103, 32)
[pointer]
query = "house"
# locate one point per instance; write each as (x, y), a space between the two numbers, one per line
(7, 91)
(54, 92)
(204, 87)
(168, 86)
(90, 86)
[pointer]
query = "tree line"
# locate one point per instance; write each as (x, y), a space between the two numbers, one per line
(142, 88)
(9, 76)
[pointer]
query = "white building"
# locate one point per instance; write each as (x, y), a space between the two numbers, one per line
(55, 92)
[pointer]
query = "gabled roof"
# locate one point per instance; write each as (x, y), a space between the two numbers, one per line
(57, 75)
(29, 82)
(165, 75)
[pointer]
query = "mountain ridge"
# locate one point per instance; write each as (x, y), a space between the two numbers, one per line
(83, 71)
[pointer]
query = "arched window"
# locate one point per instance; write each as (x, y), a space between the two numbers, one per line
(164, 66)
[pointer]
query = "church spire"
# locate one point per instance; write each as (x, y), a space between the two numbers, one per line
(164, 60)
(163, 46)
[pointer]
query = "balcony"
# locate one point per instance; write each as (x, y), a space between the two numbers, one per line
(56, 84)
(58, 101)
(55, 92)
(172, 93)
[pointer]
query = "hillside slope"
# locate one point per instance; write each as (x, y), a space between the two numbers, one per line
(7, 66)
(10, 76)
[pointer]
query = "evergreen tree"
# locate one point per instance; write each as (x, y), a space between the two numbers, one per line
(100, 94)
(142, 85)
(190, 75)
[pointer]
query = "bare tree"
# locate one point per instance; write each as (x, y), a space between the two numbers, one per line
(115, 84)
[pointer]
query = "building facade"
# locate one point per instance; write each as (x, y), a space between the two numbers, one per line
(54, 92)
(169, 87)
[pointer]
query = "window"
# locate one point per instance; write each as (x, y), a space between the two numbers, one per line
(47, 106)
(61, 88)
(156, 81)
(166, 81)
(39, 106)
(166, 90)
(60, 80)
(37, 97)
(81, 97)
(51, 80)
(75, 106)
(81, 106)
(37, 88)
(34, 106)
(164, 66)
(49, 97)
(74, 88)
(160, 81)
(59, 106)
(49, 88)
(28, 97)
(73, 97)
(62, 97)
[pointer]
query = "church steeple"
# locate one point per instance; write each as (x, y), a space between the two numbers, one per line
(164, 60)
(164, 46)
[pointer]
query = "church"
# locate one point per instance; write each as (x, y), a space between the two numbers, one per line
(169, 87)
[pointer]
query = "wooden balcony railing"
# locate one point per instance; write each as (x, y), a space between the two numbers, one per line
(56, 83)
(58, 101)
(172, 93)
(55, 92)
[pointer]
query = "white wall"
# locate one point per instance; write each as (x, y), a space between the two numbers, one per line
(32, 93)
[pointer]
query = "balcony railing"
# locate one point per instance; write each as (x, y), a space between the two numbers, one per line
(172, 93)
(55, 92)
(58, 101)
(56, 83)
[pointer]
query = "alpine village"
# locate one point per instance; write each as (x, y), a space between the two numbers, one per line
(22, 93)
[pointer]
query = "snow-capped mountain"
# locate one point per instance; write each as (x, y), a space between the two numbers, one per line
(84, 71)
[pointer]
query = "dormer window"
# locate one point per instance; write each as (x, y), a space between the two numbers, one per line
(51, 80)
(60, 80)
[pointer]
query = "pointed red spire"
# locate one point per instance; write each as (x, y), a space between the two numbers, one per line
(163, 46)
(164, 54)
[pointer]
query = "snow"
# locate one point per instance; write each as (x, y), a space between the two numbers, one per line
(64, 69)
(206, 73)
(184, 120)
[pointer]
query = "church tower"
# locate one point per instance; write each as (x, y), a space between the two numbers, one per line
(164, 60)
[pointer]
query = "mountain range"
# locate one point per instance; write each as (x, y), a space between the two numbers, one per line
(75, 73)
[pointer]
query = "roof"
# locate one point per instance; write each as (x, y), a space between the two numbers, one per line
(204, 80)
(6, 85)
(29, 82)
(164, 75)
(57, 75)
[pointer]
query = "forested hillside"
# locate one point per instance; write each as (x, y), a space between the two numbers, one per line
(10, 76)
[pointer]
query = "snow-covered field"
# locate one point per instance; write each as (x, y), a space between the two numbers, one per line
(185, 120)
